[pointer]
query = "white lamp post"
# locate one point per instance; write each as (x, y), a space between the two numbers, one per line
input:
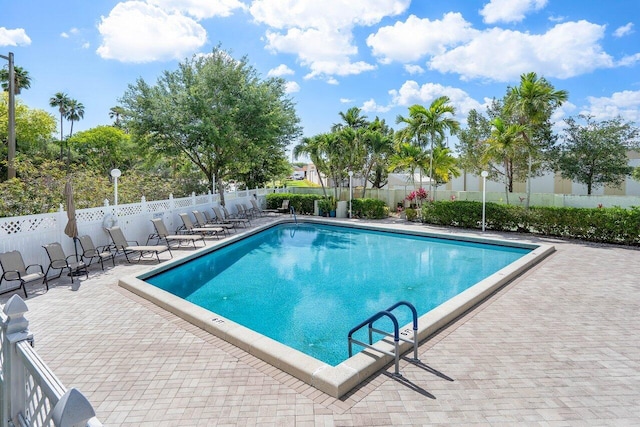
(115, 173)
(484, 195)
(350, 191)
(11, 125)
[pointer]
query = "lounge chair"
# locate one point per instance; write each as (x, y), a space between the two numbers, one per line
(190, 228)
(91, 252)
(243, 212)
(214, 220)
(225, 217)
(58, 260)
(123, 245)
(202, 222)
(162, 234)
(258, 211)
(14, 271)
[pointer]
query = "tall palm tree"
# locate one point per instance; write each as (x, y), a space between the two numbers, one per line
(409, 157)
(60, 100)
(532, 104)
(75, 112)
(378, 143)
(22, 79)
(503, 145)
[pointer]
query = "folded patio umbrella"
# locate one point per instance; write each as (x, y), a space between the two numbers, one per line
(71, 228)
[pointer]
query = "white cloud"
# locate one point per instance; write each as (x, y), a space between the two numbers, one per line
(138, 32)
(625, 30)
(625, 104)
(413, 69)
(371, 106)
(412, 93)
(86, 45)
(346, 101)
(15, 37)
(427, 37)
(509, 10)
(629, 60)
(291, 87)
(200, 9)
(566, 50)
(280, 70)
(558, 18)
(321, 33)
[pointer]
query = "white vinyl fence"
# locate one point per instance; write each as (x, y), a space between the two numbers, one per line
(29, 233)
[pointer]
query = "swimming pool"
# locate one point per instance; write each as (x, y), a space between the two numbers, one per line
(307, 285)
(334, 380)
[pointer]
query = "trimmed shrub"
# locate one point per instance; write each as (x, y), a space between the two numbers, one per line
(369, 209)
(605, 225)
(302, 203)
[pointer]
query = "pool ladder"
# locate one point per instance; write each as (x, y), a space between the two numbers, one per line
(293, 212)
(397, 335)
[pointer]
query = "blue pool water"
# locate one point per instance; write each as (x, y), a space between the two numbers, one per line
(307, 285)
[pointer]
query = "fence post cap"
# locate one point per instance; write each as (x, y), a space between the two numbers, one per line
(72, 410)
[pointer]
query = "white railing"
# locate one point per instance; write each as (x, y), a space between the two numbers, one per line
(29, 233)
(30, 394)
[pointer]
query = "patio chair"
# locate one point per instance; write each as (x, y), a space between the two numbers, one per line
(58, 260)
(202, 222)
(227, 218)
(189, 227)
(123, 245)
(162, 234)
(91, 252)
(284, 208)
(14, 270)
(214, 220)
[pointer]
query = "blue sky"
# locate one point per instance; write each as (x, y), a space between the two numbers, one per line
(379, 55)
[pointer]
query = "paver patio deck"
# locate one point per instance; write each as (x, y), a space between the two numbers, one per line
(557, 346)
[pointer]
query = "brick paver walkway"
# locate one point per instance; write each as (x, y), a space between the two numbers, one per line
(558, 346)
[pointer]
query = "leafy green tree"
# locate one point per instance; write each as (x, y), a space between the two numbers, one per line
(352, 118)
(214, 109)
(22, 79)
(596, 153)
(531, 105)
(61, 101)
(104, 148)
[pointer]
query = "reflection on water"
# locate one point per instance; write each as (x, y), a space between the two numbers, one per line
(307, 288)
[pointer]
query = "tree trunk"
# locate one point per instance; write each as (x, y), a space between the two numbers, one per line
(529, 182)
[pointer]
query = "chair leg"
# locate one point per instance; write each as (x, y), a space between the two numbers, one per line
(24, 288)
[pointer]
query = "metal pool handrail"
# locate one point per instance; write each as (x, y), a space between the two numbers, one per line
(396, 333)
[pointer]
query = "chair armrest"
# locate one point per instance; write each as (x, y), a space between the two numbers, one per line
(133, 241)
(35, 265)
(16, 272)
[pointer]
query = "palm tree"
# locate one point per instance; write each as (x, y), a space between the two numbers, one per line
(75, 112)
(504, 144)
(351, 119)
(432, 122)
(60, 100)
(315, 149)
(532, 104)
(116, 113)
(445, 166)
(408, 157)
(22, 79)
(378, 143)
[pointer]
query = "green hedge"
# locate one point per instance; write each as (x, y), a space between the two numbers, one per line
(605, 225)
(369, 209)
(302, 203)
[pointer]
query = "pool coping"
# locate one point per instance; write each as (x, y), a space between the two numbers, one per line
(338, 380)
